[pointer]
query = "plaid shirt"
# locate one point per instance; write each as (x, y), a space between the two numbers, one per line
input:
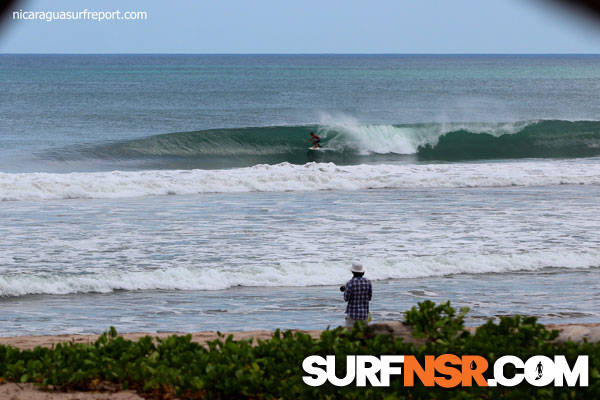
(358, 294)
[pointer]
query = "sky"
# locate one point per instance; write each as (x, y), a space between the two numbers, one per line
(305, 26)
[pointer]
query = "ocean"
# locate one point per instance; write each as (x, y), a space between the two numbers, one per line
(178, 192)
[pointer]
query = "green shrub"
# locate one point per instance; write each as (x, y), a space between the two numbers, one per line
(436, 323)
(272, 369)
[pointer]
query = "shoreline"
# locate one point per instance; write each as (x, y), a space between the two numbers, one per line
(569, 331)
(27, 342)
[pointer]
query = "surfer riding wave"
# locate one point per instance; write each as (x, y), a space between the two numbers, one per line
(316, 141)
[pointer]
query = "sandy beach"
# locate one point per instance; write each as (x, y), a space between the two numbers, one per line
(575, 332)
(30, 342)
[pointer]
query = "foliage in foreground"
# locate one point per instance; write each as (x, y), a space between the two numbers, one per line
(230, 369)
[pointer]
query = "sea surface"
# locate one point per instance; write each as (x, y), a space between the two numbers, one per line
(178, 192)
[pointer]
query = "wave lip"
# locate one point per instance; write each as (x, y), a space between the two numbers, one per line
(289, 177)
(309, 273)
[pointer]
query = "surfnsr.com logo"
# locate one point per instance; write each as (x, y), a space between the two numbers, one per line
(447, 370)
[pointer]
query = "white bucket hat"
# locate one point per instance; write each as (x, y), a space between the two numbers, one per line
(357, 267)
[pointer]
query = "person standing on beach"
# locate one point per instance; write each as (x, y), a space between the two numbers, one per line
(357, 292)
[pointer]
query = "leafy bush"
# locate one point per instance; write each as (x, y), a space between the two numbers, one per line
(271, 369)
(436, 322)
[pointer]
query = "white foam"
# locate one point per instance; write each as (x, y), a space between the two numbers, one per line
(378, 139)
(289, 177)
(343, 131)
(306, 273)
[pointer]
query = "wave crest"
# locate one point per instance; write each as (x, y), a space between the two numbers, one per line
(347, 142)
(291, 274)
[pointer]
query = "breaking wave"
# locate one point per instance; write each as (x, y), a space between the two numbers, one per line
(290, 177)
(353, 143)
(290, 274)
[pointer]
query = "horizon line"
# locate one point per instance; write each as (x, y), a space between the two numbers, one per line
(290, 54)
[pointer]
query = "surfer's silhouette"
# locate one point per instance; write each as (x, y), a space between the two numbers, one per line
(539, 368)
(316, 140)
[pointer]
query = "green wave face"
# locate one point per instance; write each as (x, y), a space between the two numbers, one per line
(238, 147)
(222, 148)
(545, 139)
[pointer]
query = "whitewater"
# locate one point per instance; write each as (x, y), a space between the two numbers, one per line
(290, 274)
(290, 177)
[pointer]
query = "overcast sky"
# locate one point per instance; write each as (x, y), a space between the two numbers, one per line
(305, 26)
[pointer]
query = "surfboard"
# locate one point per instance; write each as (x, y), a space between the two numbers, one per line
(315, 148)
